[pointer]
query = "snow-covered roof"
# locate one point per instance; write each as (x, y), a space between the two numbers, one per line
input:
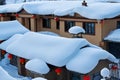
(76, 30)
(58, 51)
(87, 59)
(46, 47)
(11, 8)
(9, 28)
(48, 33)
(37, 65)
(62, 8)
(113, 36)
(6, 43)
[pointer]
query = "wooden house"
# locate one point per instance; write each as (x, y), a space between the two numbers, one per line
(96, 28)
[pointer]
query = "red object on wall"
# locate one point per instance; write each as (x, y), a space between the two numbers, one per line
(86, 77)
(1, 15)
(56, 19)
(3, 52)
(114, 67)
(17, 15)
(10, 56)
(22, 60)
(33, 16)
(58, 71)
(102, 21)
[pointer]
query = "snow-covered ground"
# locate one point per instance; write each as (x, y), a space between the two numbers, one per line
(9, 72)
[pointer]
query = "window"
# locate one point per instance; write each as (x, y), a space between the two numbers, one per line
(118, 24)
(69, 24)
(89, 27)
(46, 23)
(58, 25)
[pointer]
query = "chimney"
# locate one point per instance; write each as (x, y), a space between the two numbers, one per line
(84, 3)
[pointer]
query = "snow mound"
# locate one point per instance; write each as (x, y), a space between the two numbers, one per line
(9, 28)
(6, 43)
(53, 50)
(105, 72)
(80, 63)
(4, 75)
(76, 30)
(38, 66)
(113, 36)
(39, 78)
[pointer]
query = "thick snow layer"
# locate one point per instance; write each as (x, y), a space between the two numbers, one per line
(113, 36)
(9, 28)
(6, 43)
(48, 33)
(10, 8)
(76, 30)
(87, 59)
(39, 78)
(61, 8)
(38, 66)
(52, 49)
(4, 75)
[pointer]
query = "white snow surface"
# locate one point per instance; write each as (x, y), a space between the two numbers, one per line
(58, 51)
(76, 30)
(48, 48)
(105, 72)
(6, 43)
(62, 8)
(48, 33)
(39, 78)
(38, 66)
(113, 36)
(9, 28)
(4, 75)
(11, 8)
(87, 59)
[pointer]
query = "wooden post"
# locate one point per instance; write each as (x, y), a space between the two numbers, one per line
(33, 24)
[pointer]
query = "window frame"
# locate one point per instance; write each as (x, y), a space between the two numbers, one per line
(118, 25)
(68, 25)
(57, 25)
(90, 30)
(46, 23)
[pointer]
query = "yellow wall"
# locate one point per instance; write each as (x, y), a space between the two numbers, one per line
(101, 29)
(108, 26)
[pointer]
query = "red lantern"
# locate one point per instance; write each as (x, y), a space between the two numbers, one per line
(10, 56)
(102, 21)
(1, 15)
(33, 16)
(3, 52)
(114, 67)
(56, 19)
(58, 71)
(86, 77)
(17, 15)
(22, 60)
